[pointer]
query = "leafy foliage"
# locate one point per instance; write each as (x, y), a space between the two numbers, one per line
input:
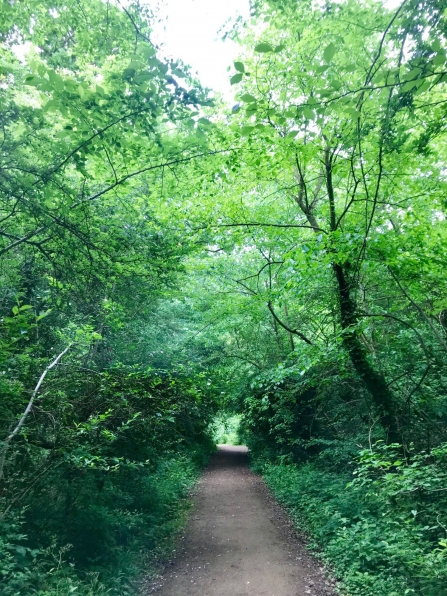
(381, 532)
(282, 261)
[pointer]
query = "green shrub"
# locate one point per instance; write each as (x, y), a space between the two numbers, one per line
(88, 503)
(383, 529)
(127, 526)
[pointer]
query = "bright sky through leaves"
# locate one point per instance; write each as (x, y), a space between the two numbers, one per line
(190, 31)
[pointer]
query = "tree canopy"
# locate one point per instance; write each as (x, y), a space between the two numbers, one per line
(165, 256)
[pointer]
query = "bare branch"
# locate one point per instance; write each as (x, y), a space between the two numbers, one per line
(21, 422)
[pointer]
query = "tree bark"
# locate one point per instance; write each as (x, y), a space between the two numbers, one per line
(375, 382)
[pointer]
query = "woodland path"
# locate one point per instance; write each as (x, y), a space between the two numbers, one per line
(239, 542)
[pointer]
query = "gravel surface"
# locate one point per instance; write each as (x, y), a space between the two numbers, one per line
(239, 541)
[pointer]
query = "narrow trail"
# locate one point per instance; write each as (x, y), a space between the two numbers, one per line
(239, 542)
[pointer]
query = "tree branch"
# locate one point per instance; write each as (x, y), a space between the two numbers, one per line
(21, 422)
(284, 326)
(261, 224)
(106, 190)
(418, 308)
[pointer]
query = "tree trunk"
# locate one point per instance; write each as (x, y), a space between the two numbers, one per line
(374, 381)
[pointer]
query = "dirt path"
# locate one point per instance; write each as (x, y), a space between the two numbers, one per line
(238, 542)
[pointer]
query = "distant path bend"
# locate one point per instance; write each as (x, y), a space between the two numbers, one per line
(239, 543)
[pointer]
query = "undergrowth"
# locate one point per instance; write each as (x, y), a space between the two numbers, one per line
(126, 532)
(382, 528)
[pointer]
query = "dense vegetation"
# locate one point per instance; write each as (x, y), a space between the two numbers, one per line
(165, 257)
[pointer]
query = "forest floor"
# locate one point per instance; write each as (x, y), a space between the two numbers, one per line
(239, 541)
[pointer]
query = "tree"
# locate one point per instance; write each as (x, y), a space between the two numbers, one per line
(333, 140)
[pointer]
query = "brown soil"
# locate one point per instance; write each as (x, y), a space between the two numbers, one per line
(239, 542)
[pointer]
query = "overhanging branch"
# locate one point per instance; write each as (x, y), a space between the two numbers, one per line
(286, 327)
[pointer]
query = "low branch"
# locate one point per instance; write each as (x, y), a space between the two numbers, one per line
(244, 360)
(418, 384)
(173, 162)
(20, 496)
(21, 422)
(418, 308)
(269, 263)
(106, 190)
(23, 239)
(261, 224)
(406, 323)
(284, 326)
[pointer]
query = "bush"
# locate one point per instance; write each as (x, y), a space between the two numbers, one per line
(94, 499)
(383, 528)
(125, 528)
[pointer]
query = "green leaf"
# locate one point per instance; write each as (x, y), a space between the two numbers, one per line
(329, 52)
(33, 80)
(128, 73)
(308, 114)
(424, 86)
(154, 62)
(141, 78)
(239, 66)
(146, 50)
(248, 98)
(56, 80)
(200, 134)
(263, 48)
(336, 84)
(44, 314)
(439, 59)
(135, 65)
(355, 114)
(205, 121)
(237, 78)
(378, 78)
(246, 130)
(409, 86)
(413, 74)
